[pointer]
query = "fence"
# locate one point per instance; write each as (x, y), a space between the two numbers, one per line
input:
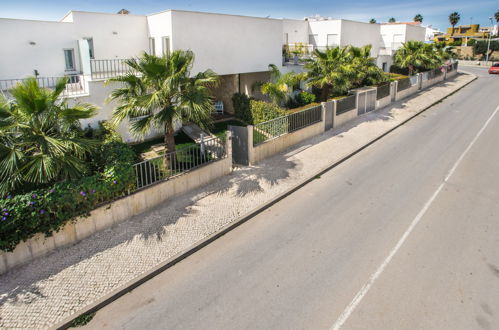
(180, 161)
(403, 84)
(286, 124)
(382, 91)
(346, 104)
(75, 86)
(103, 69)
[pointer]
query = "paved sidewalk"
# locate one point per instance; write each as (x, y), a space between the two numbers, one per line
(50, 289)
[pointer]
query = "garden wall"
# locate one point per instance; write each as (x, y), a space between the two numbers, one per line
(274, 146)
(116, 212)
(414, 87)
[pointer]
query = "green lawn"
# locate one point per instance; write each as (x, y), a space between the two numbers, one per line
(220, 128)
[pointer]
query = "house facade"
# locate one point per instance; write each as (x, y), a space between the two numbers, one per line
(90, 48)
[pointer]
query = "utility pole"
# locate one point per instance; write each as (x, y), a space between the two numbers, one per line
(488, 43)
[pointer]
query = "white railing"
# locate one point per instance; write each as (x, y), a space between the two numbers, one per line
(76, 84)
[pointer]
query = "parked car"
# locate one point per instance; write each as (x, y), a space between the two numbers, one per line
(494, 68)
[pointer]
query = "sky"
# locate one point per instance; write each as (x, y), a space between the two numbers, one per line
(434, 12)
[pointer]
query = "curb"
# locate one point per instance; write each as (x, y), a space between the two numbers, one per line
(129, 286)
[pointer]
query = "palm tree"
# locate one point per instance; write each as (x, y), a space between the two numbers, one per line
(162, 92)
(418, 18)
(453, 20)
(366, 71)
(496, 16)
(280, 88)
(331, 70)
(392, 20)
(415, 54)
(372, 21)
(40, 137)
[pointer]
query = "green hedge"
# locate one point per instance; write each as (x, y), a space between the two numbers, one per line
(253, 111)
(47, 210)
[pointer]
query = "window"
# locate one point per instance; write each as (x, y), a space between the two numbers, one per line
(385, 67)
(333, 40)
(152, 46)
(69, 58)
(166, 45)
(90, 47)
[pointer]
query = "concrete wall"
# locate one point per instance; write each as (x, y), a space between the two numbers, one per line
(226, 88)
(114, 36)
(359, 34)
(296, 30)
(409, 91)
(98, 93)
(160, 25)
(248, 79)
(345, 117)
(322, 28)
(115, 213)
(274, 146)
(228, 44)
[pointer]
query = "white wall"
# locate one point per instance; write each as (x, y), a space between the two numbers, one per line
(322, 28)
(114, 36)
(228, 44)
(19, 59)
(160, 25)
(359, 34)
(413, 32)
(297, 31)
(394, 35)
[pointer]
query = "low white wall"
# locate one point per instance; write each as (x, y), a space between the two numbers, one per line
(272, 147)
(114, 213)
(381, 103)
(407, 92)
(431, 82)
(345, 117)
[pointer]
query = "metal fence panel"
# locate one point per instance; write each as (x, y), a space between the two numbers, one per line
(180, 161)
(286, 124)
(346, 104)
(382, 91)
(403, 84)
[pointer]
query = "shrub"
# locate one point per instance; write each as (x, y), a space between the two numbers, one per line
(253, 111)
(47, 210)
(304, 98)
(263, 111)
(241, 103)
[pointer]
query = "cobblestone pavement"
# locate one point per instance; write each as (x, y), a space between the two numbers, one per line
(47, 290)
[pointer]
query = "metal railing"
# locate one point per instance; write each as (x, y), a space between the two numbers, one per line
(76, 84)
(346, 104)
(286, 124)
(174, 163)
(382, 91)
(403, 84)
(104, 69)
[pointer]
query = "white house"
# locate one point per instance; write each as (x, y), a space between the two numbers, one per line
(90, 48)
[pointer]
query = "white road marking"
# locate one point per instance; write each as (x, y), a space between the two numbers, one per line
(365, 288)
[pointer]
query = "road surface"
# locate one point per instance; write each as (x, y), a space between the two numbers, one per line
(404, 235)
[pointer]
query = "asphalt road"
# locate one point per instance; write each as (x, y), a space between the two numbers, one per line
(404, 235)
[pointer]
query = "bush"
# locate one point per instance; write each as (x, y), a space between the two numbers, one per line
(47, 210)
(253, 111)
(304, 98)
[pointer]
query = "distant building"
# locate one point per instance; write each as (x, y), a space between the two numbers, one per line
(463, 33)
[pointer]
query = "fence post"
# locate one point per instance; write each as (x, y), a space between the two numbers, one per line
(393, 91)
(251, 153)
(228, 145)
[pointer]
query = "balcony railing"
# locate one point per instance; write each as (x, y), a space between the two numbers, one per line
(76, 84)
(105, 69)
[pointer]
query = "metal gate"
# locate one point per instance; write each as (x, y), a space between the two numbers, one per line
(366, 101)
(240, 147)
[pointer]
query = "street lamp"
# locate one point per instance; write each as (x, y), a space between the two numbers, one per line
(488, 43)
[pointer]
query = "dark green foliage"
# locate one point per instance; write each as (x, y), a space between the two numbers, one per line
(82, 320)
(304, 98)
(396, 69)
(241, 103)
(480, 47)
(253, 111)
(48, 209)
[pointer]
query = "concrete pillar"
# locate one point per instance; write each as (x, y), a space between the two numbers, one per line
(251, 153)
(228, 144)
(328, 113)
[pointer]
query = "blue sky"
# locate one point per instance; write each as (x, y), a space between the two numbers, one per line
(434, 12)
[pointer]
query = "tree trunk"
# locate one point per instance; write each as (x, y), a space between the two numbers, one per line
(170, 158)
(325, 93)
(411, 70)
